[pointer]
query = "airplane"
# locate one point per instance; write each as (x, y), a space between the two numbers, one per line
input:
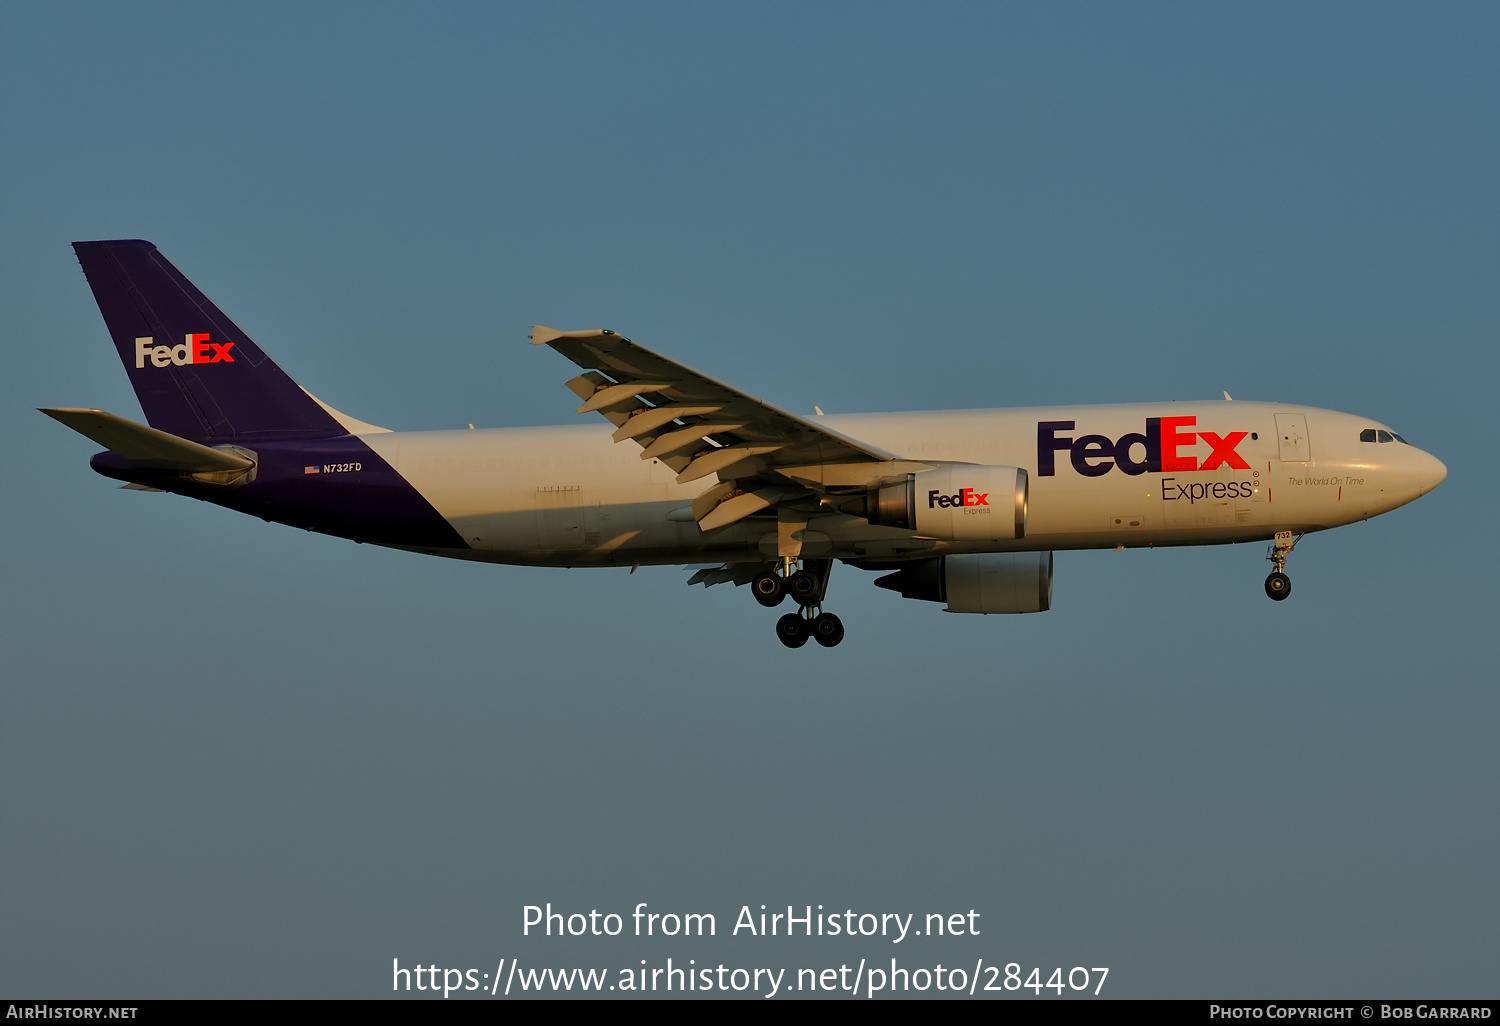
(960, 507)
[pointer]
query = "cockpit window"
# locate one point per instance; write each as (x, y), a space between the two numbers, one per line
(1367, 435)
(1385, 436)
(1399, 439)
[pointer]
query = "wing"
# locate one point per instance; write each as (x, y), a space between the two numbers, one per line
(764, 456)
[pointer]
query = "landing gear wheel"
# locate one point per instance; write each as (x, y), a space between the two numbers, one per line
(792, 630)
(804, 587)
(1279, 585)
(769, 588)
(827, 629)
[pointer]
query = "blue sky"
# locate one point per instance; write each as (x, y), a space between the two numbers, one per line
(239, 760)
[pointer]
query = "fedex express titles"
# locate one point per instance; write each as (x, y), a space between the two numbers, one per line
(1097, 455)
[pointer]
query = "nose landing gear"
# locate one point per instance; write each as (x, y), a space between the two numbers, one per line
(807, 586)
(1278, 584)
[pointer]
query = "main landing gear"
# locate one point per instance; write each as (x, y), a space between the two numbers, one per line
(1278, 584)
(807, 586)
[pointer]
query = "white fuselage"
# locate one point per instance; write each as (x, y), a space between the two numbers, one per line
(568, 496)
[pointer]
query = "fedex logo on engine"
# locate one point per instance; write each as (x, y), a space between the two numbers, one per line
(965, 497)
(195, 349)
(1095, 455)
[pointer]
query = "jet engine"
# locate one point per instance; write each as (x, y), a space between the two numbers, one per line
(964, 502)
(982, 582)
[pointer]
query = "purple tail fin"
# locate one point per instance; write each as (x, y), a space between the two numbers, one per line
(196, 374)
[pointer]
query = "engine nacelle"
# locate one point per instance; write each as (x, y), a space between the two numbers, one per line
(963, 502)
(981, 582)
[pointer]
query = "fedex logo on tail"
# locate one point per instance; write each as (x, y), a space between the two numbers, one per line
(1159, 448)
(196, 349)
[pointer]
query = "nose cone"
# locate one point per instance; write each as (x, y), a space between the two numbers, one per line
(1431, 472)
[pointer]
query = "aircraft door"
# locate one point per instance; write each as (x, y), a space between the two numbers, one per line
(559, 517)
(1291, 431)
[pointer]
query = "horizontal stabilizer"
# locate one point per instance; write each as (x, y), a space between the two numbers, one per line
(146, 446)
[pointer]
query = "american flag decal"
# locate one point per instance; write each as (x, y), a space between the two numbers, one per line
(309, 470)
